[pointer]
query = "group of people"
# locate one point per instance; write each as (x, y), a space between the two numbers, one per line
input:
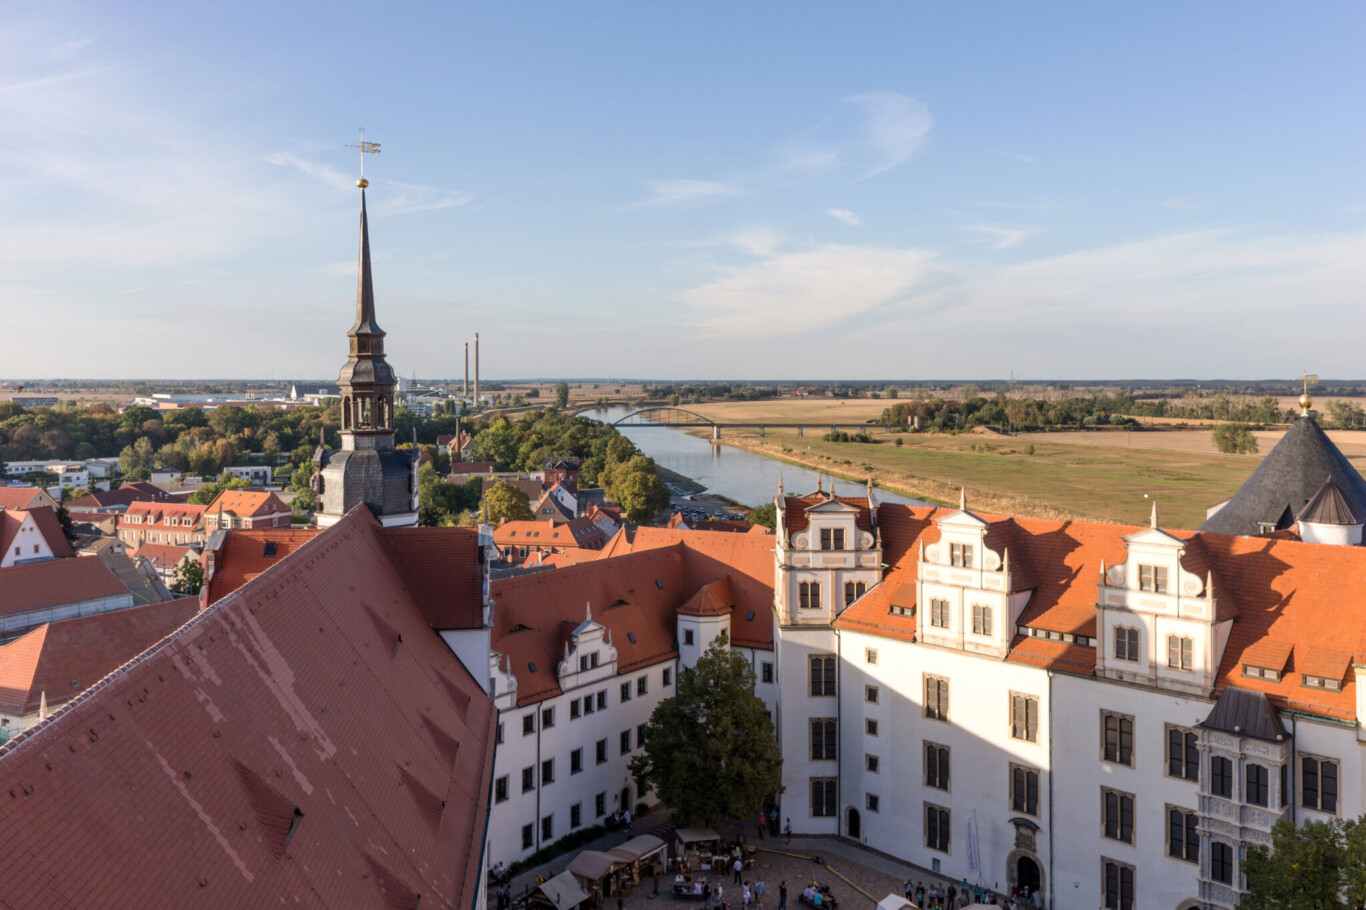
(713, 895)
(499, 874)
(818, 895)
(952, 897)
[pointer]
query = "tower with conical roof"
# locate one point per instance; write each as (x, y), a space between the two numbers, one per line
(368, 468)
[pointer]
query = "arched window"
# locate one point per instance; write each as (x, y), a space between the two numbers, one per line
(810, 595)
(346, 413)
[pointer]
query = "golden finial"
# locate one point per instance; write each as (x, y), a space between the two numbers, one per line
(1305, 400)
(365, 148)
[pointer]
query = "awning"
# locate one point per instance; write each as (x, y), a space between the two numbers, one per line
(895, 902)
(592, 865)
(563, 891)
(640, 847)
(695, 835)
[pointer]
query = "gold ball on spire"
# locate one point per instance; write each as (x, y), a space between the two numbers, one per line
(362, 183)
(1305, 402)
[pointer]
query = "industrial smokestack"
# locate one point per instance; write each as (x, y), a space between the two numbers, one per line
(476, 369)
(465, 389)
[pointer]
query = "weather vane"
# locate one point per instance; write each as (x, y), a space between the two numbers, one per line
(365, 148)
(1305, 401)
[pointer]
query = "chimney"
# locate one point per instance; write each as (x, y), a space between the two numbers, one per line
(465, 389)
(476, 369)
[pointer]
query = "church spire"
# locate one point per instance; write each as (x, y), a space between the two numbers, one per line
(365, 289)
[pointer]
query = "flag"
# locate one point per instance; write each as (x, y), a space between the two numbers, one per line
(974, 860)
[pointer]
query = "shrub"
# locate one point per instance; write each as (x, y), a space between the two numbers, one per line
(563, 845)
(900, 441)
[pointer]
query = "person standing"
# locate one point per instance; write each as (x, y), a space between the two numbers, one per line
(788, 831)
(782, 895)
(626, 820)
(759, 894)
(737, 866)
(763, 819)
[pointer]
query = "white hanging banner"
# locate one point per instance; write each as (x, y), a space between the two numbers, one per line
(974, 860)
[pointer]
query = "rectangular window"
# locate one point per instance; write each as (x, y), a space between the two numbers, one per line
(687, 637)
(1221, 776)
(1180, 652)
(809, 595)
(668, 676)
(826, 539)
(832, 538)
(601, 751)
(767, 674)
(1024, 790)
(1118, 882)
(822, 672)
(823, 739)
(1257, 788)
(548, 771)
(1119, 814)
(574, 709)
(981, 619)
(588, 704)
(870, 802)
(625, 741)
(547, 718)
(600, 805)
(625, 691)
(870, 655)
(640, 736)
(529, 723)
(853, 591)
(870, 727)
(1119, 738)
(642, 685)
(960, 554)
(602, 699)
(575, 815)
(1024, 718)
(823, 797)
(583, 663)
(936, 698)
(1183, 759)
(1126, 644)
(1319, 784)
(498, 736)
(547, 829)
(576, 761)
(1152, 578)
(937, 828)
(1221, 862)
(871, 764)
(528, 836)
(936, 766)
(870, 694)
(529, 779)
(939, 613)
(500, 789)
(1182, 840)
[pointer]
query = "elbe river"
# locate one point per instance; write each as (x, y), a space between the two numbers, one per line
(739, 475)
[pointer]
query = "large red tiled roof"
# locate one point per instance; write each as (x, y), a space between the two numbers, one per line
(247, 503)
(443, 568)
(19, 497)
(125, 495)
(55, 582)
(306, 741)
(63, 659)
(795, 513)
(44, 520)
(246, 554)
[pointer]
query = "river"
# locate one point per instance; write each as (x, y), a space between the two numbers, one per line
(734, 473)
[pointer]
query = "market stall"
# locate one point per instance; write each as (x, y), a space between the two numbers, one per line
(696, 848)
(601, 874)
(563, 892)
(643, 855)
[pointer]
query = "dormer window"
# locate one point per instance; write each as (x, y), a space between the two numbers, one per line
(832, 538)
(1152, 578)
(1319, 682)
(960, 554)
(1254, 672)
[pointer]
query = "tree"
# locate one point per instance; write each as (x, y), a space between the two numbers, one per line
(562, 395)
(504, 502)
(1346, 413)
(84, 451)
(1235, 439)
(636, 487)
(135, 461)
(766, 515)
(209, 492)
(1317, 866)
(710, 750)
(189, 577)
(68, 526)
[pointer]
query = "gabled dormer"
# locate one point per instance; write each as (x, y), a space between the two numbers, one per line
(589, 656)
(967, 594)
(828, 553)
(1159, 621)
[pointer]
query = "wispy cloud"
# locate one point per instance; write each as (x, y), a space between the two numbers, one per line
(1027, 159)
(845, 215)
(1184, 202)
(676, 192)
(895, 127)
(1003, 238)
(398, 198)
(40, 82)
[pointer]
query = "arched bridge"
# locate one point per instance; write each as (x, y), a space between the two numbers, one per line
(675, 417)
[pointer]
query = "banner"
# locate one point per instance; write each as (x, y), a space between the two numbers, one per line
(974, 861)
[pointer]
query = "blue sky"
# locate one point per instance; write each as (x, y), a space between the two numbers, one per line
(907, 190)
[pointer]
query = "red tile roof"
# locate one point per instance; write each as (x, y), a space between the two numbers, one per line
(243, 557)
(20, 497)
(306, 741)
(54, 583)
(797, 505)
(715, 598)
(125, 495)
(246, 503)
(155, 514)
(46, 523)
(581, 532)
(443, 569)
(63, 659)
(164, 555)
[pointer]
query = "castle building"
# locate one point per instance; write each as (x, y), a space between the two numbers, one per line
(368, 468)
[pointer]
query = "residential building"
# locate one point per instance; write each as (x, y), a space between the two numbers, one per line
(30, 535)
(177, 523)
(246, 510)
(257, 475)
(25, 498)
(517, 540)
(118, 500)
(166, 559)
(549, 508)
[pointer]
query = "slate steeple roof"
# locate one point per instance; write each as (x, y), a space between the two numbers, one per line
(1286, 480)
(1329, 507)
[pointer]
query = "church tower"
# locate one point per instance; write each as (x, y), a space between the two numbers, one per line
(368, 468)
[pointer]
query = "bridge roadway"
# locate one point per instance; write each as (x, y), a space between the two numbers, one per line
(716, 428)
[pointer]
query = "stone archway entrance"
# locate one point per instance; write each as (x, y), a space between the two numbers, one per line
(1027, 874)
(854, 827)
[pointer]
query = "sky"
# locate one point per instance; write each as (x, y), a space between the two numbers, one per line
(697, 190)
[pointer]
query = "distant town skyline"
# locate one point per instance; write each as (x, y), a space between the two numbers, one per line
(702, 191)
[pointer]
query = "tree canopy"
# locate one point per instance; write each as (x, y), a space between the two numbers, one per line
(710, 750)
(189, 577)
(1315, 866)
(1235, 439)
(504, 502)
(209, 492)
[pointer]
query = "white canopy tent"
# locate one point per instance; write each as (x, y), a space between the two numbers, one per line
(895, 902)
(563, 891)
